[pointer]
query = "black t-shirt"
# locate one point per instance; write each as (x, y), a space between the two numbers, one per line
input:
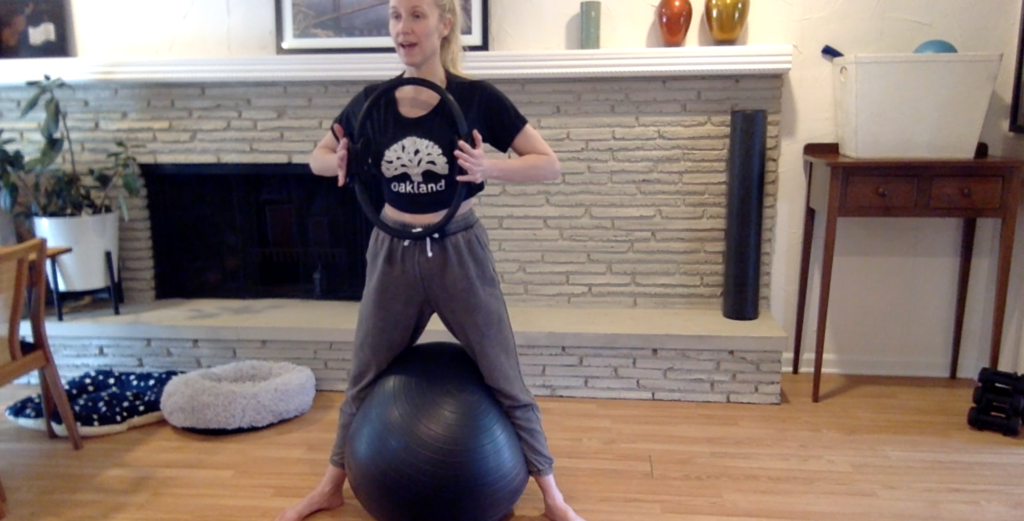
(415, 156)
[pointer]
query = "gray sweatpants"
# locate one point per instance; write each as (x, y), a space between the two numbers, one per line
(406, 283)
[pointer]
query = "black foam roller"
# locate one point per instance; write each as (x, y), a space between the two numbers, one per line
(745, 186)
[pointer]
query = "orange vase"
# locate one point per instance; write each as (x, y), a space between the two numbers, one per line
(674, 17)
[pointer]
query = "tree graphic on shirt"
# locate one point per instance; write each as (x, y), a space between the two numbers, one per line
(414, 156)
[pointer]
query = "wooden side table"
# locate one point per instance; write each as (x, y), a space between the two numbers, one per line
(987, 187)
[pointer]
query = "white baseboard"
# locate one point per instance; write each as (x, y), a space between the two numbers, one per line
(875, 366)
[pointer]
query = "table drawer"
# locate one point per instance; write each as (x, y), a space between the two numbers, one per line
(966, 192)
(878, 191)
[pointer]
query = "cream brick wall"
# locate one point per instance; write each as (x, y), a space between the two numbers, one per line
(638, 218)
(691, 375)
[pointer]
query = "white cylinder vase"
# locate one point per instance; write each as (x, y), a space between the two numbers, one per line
(90, 237)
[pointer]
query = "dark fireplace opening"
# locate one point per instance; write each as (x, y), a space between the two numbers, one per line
(254, 231)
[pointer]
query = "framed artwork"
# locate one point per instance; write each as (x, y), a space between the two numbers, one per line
(311, 26)
(33, 28)
(1017, 104)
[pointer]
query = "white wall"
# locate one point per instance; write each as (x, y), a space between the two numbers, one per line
(173, 28)
(894, 280)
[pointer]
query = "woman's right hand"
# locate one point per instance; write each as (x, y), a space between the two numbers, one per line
(341, 153)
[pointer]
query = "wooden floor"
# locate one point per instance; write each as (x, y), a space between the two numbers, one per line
(875, 449)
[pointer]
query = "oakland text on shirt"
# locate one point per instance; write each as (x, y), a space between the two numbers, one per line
(412, 187)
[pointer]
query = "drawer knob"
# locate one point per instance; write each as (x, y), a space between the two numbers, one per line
(882, 191)
(967, 192)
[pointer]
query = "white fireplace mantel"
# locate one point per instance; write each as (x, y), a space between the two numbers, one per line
(758, 60)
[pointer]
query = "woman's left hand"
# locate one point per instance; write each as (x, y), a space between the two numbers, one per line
(473, 161)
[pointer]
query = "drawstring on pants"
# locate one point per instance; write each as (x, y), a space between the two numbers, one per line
(429, 252)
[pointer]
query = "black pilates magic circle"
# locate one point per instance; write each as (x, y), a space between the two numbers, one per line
(363, 173)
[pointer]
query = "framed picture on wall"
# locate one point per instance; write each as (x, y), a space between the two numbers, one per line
(33, 28)
(311, 26)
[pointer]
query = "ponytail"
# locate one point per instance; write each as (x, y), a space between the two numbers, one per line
(451, 45)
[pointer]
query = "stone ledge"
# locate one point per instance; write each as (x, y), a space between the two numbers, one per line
(305, 320)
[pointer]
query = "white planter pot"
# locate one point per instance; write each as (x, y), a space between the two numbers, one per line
(90, 237)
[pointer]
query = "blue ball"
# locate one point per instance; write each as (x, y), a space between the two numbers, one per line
(935, 46)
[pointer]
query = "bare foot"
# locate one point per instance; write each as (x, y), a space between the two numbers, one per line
(561, 512)
(326, 496)
(316, 501)
(555, 507)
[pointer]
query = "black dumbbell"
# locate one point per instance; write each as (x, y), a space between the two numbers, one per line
(994, 378)
(1009, 426)
(996, 408)
(990, 398)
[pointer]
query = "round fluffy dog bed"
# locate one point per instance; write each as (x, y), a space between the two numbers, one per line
(238, 397)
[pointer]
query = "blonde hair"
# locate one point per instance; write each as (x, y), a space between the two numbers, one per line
(451, 45)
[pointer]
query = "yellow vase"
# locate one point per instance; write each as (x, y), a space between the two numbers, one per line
(726, 18)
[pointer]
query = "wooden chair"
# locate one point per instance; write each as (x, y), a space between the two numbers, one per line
(23, 277)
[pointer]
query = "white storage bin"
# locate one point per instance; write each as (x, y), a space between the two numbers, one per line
(912, 105)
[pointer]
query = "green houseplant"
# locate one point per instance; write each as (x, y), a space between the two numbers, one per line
(50, 189)
(66, 206)
(10, 161)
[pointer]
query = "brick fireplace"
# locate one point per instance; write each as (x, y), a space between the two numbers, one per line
(637, 220)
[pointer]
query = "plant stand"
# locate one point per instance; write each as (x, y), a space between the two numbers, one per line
(114, 289)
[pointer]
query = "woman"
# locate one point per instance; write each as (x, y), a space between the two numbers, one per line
(13, 23)
(454, 275)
